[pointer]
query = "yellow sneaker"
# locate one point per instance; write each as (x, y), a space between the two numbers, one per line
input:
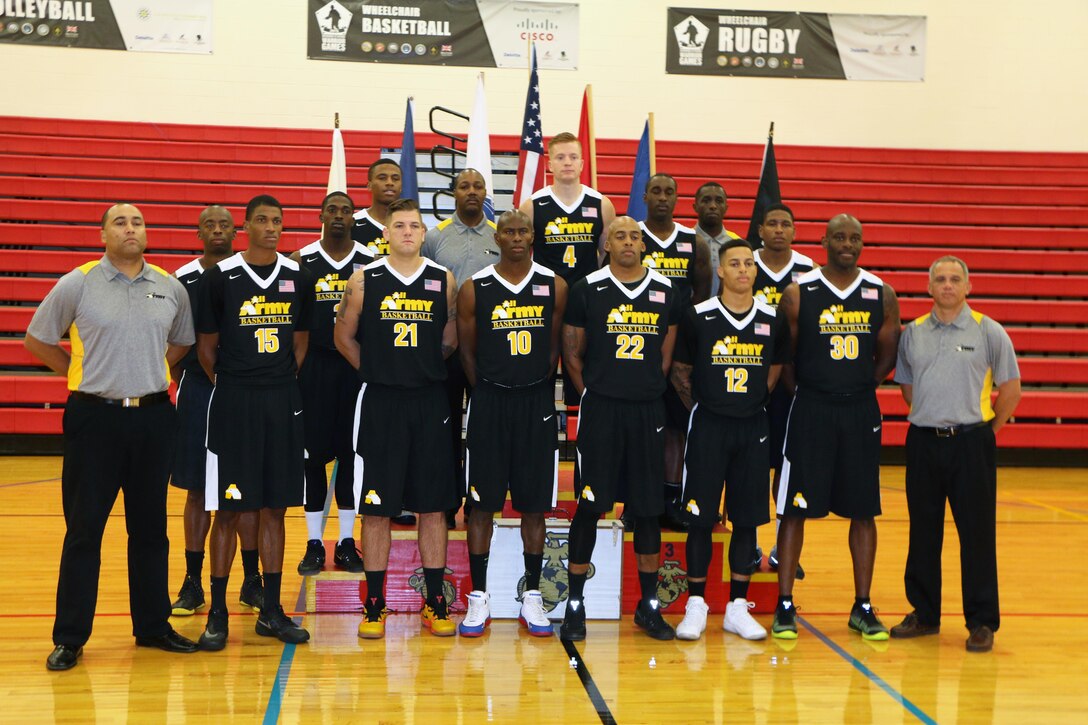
(437, 619)
(373, 624)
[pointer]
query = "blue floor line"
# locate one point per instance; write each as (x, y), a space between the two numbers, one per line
(874, 677)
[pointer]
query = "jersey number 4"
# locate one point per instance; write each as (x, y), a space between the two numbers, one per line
(569, 257)
(268, 339)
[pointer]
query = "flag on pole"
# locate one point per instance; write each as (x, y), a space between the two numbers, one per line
(531, 148)
(338, 166)
(588, 139)
(409, 188)
(768, 192)
(636, 205)
(478, 155)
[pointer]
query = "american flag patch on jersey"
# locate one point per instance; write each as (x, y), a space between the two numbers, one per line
(589, 212)
(762, 328)
(657, 296)
(356, 266)
(540, 290)
(432, 285)
(683, 246)
(868, 293)
(287, 285)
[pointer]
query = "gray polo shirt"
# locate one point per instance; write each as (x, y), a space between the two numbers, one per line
(119, 327)
(954, 367)
(715, 244)
(462, 249)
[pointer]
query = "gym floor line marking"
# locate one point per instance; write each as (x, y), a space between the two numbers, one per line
(275, 698)
(873, 677)
(1055, 509)
(27, 483)
(590, 686)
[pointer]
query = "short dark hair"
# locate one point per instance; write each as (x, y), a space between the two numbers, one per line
(261, 200)
(777, 206)
(508, 217)
(337, 193)
(106, 214)
(376, 164)
(404, 205)
(659, 175)
(733, 244)
(706, 184)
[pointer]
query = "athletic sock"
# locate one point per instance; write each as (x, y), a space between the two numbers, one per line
(534, 563)
(194, 565)
(375, 587)
(347, 524)
(433, 580)
(647, 583)
(697, 589)
(577, 584)
(477, 567)
(738, 589)
(672, 491)
(219, 593)
(272, 584)
(315, 524)
(250, 562)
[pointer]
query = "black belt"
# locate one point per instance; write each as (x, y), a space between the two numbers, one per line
(949, 431)
(141, 402)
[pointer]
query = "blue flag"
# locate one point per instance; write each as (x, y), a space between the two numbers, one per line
(409, 185)
(636, 205)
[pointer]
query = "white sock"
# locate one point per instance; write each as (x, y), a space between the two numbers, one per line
(315, 524)
(347, 524)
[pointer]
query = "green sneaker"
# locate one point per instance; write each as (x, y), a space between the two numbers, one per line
(785, 621)
(864, 621)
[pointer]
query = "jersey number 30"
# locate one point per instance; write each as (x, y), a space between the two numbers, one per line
(844, 347)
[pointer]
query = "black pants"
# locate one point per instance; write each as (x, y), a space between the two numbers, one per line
(109, 449)
(963, 470)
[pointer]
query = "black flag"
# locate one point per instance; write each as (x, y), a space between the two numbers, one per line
(767, 194)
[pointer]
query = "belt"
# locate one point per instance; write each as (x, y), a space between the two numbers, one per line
(141, 402)
(949, 431)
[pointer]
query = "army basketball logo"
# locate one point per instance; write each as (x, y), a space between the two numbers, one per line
(553, 578)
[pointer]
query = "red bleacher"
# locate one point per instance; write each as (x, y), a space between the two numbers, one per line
(1017, 218)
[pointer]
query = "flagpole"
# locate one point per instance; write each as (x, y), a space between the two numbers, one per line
(653, 147)
(770, 133)
(336, 120)
(592, 137)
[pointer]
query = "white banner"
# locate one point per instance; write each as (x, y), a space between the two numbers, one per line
(881, 47)
(511, 26)
(165, 26)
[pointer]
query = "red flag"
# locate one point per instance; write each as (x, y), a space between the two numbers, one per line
(588, 139)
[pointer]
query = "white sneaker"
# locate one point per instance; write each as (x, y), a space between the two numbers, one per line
(694, 623)
(478, 617)
(533, 616)
(738, 621)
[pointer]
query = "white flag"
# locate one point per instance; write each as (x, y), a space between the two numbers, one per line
(338, 167)
(478, 155)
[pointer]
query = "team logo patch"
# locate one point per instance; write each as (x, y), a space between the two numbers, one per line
(554, 583)
(799, 501)
(373, 498)
(587, 494)
(692, 507)
(232, 493)
(473, 493)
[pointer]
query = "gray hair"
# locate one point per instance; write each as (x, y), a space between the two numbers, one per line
(949, 258)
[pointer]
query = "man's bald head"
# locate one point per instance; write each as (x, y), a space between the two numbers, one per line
(839, 220)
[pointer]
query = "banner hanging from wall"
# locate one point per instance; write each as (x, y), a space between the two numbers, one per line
(478, 33)
(773, 44)
(162, 26)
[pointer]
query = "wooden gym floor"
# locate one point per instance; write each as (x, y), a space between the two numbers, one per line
(1036, 672)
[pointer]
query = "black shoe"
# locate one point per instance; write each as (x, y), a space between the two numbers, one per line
(313, 561)
(772, 560)
(214, 637)
(63, 657)
(757, 561)
(407, 518)
(347, 557)
(276, 624)
(252, 594)
(648, 618)
(451, 520)
(190, 599)
(169, 642)
(573, 628)
(671, 518)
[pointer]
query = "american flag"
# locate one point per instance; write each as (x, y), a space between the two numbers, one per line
(540, 290)
(531, 149)
(656, 296)
(683, 247)
(868, 293)
(432, 285)
(287, 285)
(762, 328)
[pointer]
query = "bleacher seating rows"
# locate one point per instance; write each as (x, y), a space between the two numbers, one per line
(1015, 217)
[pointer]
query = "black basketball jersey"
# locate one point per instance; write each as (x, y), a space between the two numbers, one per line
(256, 318)
(769, 285)
(330, 278)
(368, 232)
(566, 238)
(190, 275)
(836, 333)
(731, 357)
(514, 326)
(673, 258)
(400, 329)
(625, 329)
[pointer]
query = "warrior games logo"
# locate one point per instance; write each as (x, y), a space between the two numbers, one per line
(333, 20)
(691, 39)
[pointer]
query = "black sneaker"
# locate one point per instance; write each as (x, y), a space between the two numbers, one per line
(313, 561)
(347, 557)
(277, 624)
(864, 621)
(772, 560)
(573, 628)
(190, 599)
(406, 518)
(214, 637)
(671, 518)
(784, 625)
(252, 594)
(648, 618)
(757, 561)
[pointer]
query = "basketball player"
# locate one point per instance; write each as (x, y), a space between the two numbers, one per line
(675, 252)
(618, 334)
(777, 265)
(384, 182)
(395, 325)
(730, 353)
(508, 327)
(329, 387)
(216, 232)
(844, 323)
(253, 330)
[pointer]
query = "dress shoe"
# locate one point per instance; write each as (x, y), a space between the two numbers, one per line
(912, 627)
(981, 639)
(169, 642)
(63, 657)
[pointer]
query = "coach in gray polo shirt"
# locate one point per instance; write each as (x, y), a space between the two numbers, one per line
(949, 362)
(128, 323)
